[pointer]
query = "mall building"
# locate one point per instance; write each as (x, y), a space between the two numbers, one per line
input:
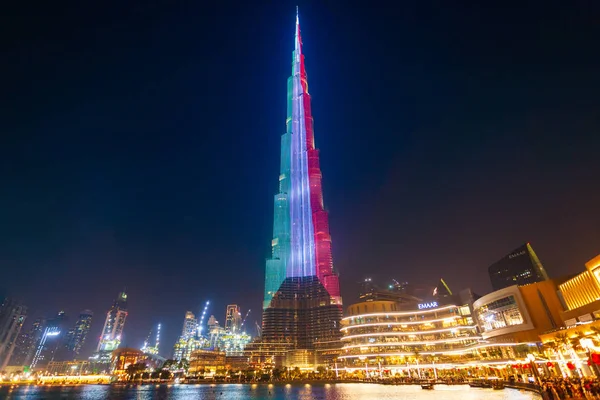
(553, 324)
(437, 335)
(445, 331)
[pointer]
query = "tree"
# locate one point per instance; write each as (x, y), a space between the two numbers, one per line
(170, 364)
(165, 374)
(575, 341)
(133, 369)
(596, 331)
(184, 364)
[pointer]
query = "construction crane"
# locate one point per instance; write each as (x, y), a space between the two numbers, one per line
(244, 320)
(157, 338)
(202, 318)
(258, 328)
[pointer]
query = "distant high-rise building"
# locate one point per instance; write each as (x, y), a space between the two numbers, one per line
(12, 316)
(520, 267)
(190, 325)
(191, 338)
(212, 322)
(302, 303)
(77, 335)
(112, 332)
(51, 341)
(27, 344)
(233, 318)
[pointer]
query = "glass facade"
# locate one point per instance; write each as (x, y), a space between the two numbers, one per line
(399, 337)
(301, 244)
(445, 336)
(303, 315)
(520, 267)
(500, 314)
(302, 302)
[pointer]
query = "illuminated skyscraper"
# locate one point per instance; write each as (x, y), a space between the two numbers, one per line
(190, 338)
(77, 335)
(26, 346)
(520, 267)
(51, 341)
(114, 324)
(12, 316)
(302, 302)
(190, 325)
(233, 318)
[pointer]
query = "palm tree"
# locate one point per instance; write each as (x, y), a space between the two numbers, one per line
(596, 333)
(133, 369)
(575, 341)
(566, 346)
(554, 348)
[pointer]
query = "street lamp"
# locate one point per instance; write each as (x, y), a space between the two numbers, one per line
(588, 345)
(533, 366)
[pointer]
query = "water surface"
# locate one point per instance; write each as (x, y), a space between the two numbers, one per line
(339, 391)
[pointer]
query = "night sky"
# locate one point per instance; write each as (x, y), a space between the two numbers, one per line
(140, 146)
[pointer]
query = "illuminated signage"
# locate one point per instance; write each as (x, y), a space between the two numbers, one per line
(54, 333)
(424, 306)
(516, 254)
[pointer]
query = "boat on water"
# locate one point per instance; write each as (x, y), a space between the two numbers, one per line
(481, 383)
(475, 383)
(498, 385)
(427, 384)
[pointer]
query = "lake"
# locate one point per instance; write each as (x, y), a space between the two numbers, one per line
(340, 391)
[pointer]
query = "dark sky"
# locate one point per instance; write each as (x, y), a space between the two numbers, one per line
(140, 145)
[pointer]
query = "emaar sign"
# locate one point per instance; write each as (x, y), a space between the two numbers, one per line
(424, 306)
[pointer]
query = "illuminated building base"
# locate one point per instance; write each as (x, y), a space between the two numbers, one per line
(303, 314)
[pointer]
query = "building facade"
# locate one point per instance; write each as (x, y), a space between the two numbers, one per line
(581, 295)
(574, 346)
(520, 267)
(51, 342)
(301, 264)
(206, 362)
(68, 368)
(389, 338)
(112, 332)
(190, 325)
(124, 357)
(519, 314)
(233, 318)
(387, 333)
(12, 316)
(184, 347)
(77, 335)
(27, 343)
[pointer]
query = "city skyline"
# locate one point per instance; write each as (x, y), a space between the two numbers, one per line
(419, 153)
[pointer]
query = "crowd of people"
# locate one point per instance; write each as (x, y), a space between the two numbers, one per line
(570, 388)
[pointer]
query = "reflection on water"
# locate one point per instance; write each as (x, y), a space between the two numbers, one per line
(340, 391)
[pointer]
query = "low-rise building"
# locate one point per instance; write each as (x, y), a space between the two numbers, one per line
(61, 368)
(519, 314)
(207, 362)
